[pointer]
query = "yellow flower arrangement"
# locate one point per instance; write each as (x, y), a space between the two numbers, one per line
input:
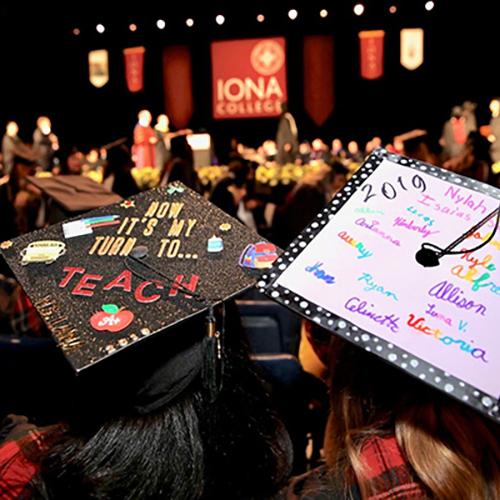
(146, 177)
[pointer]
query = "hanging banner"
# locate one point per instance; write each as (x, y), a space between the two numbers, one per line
(178, 84)
(98, 68)
(318, 77)
(371, 54)
(248, 78)
(134, 68)
(412, 48)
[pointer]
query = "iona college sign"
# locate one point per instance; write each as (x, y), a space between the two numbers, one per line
(248, 78)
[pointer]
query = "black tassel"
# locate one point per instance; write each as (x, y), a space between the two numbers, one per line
(212, 369)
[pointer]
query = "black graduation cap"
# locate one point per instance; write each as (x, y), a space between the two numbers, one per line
(122, 273)
(72, 195)
(404, 263)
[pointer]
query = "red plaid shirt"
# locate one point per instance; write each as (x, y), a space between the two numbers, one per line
(388, 477)
(16, 472)
(388, 474)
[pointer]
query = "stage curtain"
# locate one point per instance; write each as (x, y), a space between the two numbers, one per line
(318, 77)
(178, 85)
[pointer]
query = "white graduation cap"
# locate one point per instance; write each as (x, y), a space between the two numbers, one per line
(404, 263)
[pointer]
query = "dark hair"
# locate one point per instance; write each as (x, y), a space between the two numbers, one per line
(480, 146)
(240, 170)
(118, 160)
(180, 148)
(119, 164)
(189, 449)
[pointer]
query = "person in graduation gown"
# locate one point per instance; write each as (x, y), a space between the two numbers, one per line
(390, 436)
(180, 167)
(164, 136)
(117, 175)
(13, 146)
(162, 147)
(45, 143)
(153, 432)
(287, 137)
(305, 200)
(144, 141)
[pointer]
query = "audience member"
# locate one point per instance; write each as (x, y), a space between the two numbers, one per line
(287, 137)
(391, 436)
(117, 175)
(13, 146)
(45, 143)
(181, 165)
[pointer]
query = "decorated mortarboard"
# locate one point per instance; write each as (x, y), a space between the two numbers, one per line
(404, 263)
(119, 274)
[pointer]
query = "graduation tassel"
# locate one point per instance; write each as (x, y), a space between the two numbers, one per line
(212, 358)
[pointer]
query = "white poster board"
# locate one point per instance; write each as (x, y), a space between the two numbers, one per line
(357, 261)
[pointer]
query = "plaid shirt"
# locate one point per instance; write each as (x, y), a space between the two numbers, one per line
(389, 477)
(16, 471)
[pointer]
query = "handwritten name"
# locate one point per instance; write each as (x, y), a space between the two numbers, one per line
(419, 325)
(373, 226)
(474, 261)
(358, 306)
(320, 274)
(478, 236)
(477, 283)
(467, 199)
(431, 311)
(421, 215)
(373, 287)
(368, 211)
(431, 202)
(410, 225)
(358, 245)
(453, 294)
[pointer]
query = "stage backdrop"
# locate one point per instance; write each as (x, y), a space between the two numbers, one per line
(248, 78)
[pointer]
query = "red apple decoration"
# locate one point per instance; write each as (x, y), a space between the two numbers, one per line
(111, 319)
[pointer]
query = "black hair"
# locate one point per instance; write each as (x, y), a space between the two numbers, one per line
(190, 449)
(118, 160)
(240, 171)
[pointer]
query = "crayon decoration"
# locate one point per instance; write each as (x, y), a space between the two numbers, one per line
(86, 226)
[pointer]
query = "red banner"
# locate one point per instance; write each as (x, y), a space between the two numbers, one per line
(178, 84)
(134, 68)
(248, 78)
(372, 54)
(318, 77)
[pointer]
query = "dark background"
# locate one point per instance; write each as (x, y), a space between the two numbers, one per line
(45, 69)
